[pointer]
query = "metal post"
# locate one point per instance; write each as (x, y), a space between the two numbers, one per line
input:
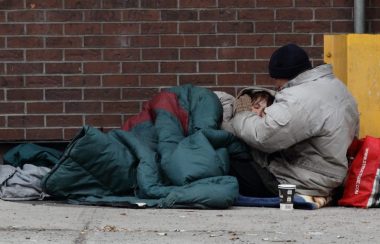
(359, 16)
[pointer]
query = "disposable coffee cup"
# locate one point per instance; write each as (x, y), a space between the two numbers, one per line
(286, 193)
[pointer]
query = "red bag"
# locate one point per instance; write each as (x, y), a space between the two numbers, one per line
(361, 188)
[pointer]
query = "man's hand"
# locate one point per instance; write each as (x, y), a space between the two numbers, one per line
(243, 103)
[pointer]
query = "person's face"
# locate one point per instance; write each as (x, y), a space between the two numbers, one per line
(280, 83)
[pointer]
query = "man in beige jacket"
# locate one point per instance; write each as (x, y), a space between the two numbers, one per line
(302, 138)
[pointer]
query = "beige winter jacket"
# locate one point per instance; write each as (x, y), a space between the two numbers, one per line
(305, 132)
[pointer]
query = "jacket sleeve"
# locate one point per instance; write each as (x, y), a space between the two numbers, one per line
(283, 126)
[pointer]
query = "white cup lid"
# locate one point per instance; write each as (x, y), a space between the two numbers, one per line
(287, 186)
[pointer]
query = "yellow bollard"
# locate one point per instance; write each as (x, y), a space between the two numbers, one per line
(356, 61)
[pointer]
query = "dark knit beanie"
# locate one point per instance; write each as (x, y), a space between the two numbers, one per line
(288, 61)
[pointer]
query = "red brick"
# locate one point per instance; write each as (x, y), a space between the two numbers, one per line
(2, 121)
(102, 15)
(12, 134)
(197, 28)
(312, 3)
(343, 27)
(63, 42)
(70, 133)
(82, 4)
(120, 80)
(26, 16)
(83, 54)
(144, 41)
(102, 94)
(24, 68)
(314, 52)
(334, 14)
(24, 94)
(12, 108)
(64, 120)
(82, 81)
(197, 4)
(178, 40)
(252, 66)
(294, 14)
(103, 120)
(158, 80)
(217, 40)
(198, 80)
(372, 13)
(43, 81)
(274, 3)
(107, 41)
(121, 107)
(236, 3)
(11, 4)
(101, 67)
(273, 27)
(121, 28)
(158, 4)
(179, 15)
(44, 29)
(236, 53)
(44, 55)
(264, 52)
(347, 3)
(235, 27)
(375, 26)
(11, 29)
(120, 4)
(217, 66)
(139, 93)
(255, 40)
(121, 54)
(218, 14)
(44, 134)
(315, 26)
(83, 107)
(159, 28)
(11, 55)
(82, 28)
(198, 53)
(26, 121)
(44, 107)
(42, 4)
(256, 14)
(140, 67)
(63, 94)
(63, 16)
(11, 81)
(235, 79)
(318, 39)
(160, 54)
(264, 80)
(300, 39)
(141, 15)
(25, 42)
(63, 68)
(178, 67)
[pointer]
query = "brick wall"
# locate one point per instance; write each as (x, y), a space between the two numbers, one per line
(65, 63)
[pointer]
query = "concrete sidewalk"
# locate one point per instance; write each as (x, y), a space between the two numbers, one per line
(46, 222)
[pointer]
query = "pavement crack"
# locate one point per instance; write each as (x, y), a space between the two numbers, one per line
(82, 234)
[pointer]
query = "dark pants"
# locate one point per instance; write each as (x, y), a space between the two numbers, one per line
(254, 180)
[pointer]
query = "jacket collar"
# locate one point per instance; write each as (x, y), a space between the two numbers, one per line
(310, 75)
